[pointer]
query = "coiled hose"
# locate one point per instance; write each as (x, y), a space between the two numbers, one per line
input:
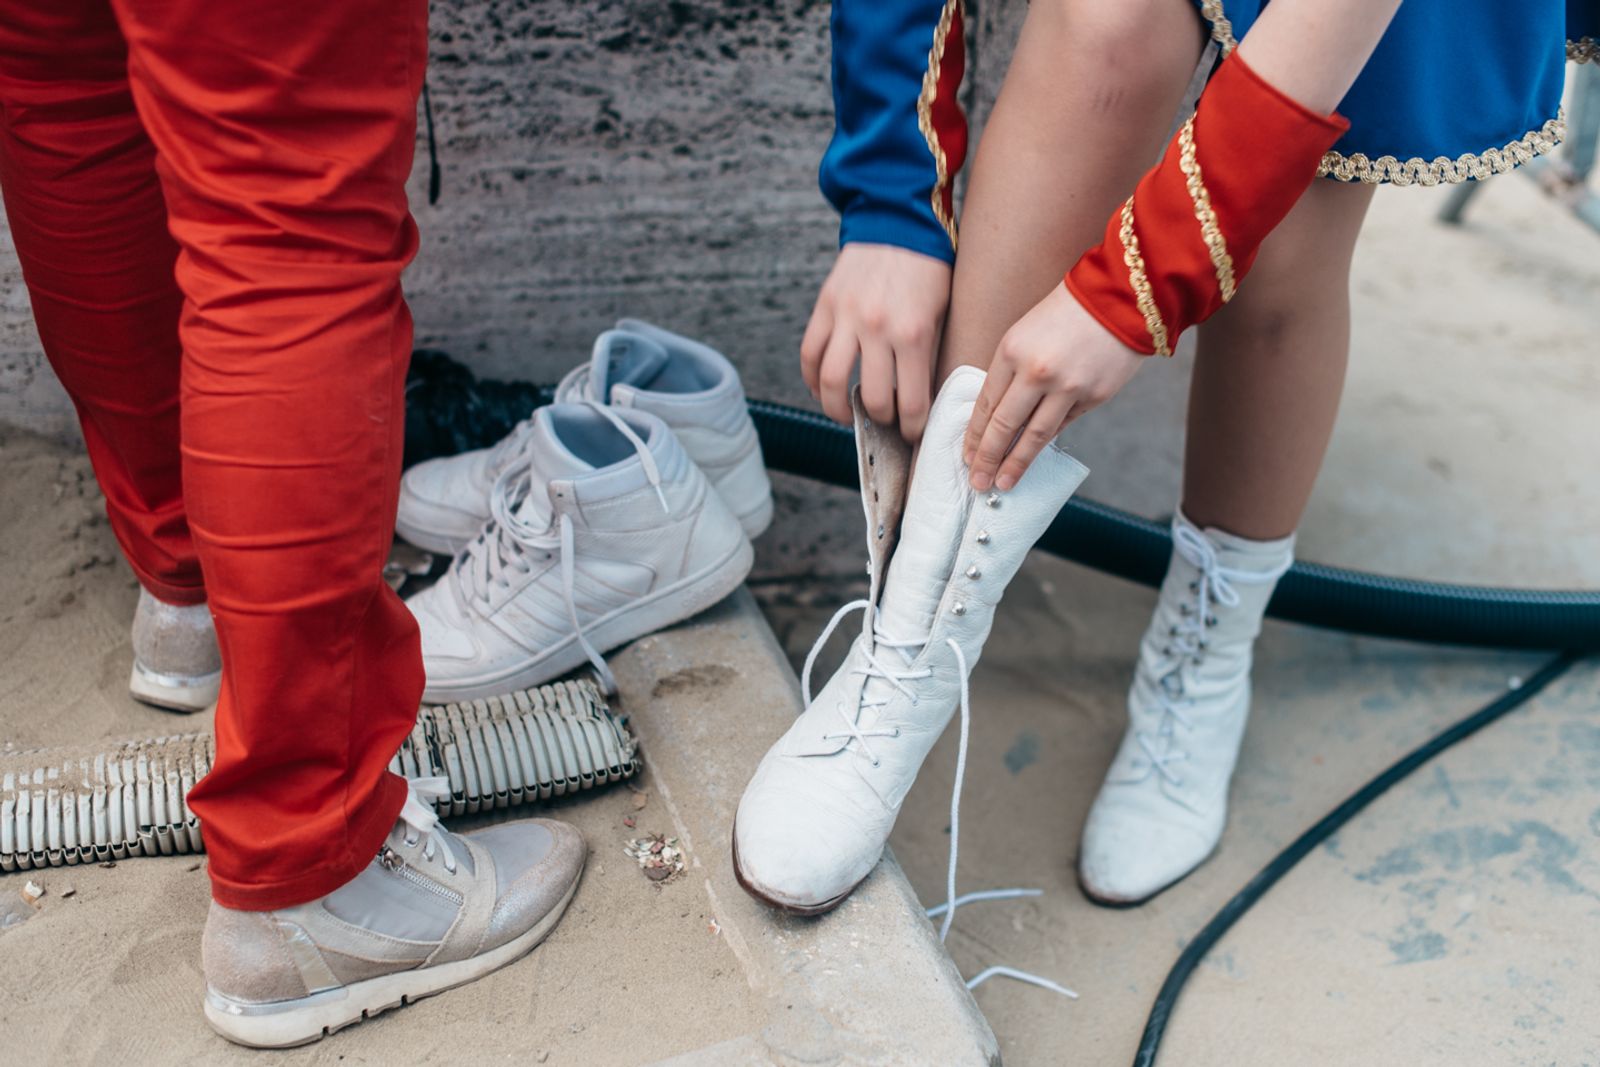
(130, 800)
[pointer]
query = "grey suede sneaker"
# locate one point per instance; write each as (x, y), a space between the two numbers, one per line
(176, 664)
(431, 911)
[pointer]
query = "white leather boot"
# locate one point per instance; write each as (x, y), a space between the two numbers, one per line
(1162, 808)
(815, 817)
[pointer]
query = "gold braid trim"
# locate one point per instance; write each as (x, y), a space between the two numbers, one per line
(1417, 171)
(1584, 50)
(930, 90)
(1140, 281)
(1216, 244)
(1221, 28)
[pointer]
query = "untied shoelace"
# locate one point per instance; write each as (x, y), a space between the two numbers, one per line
(873, 667)
(508, 540)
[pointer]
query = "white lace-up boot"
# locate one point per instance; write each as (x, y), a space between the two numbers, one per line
(431, 911)
(815, 817)
(603, 531)
(1162, 808)
(688, 385)
(176, 663)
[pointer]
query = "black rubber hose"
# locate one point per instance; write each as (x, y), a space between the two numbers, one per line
(449, 410)
(1155, 1026)
(1136, 548)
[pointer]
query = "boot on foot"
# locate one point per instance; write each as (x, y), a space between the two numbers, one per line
(688, 385)
(815, 817)
(431, 911)
(602, 531)
(1162, 808)
(176, 664)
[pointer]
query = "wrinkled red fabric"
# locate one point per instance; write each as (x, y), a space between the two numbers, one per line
(1258, 152)
(208, 200)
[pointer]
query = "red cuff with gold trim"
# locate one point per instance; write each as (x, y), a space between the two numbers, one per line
(1176, 250)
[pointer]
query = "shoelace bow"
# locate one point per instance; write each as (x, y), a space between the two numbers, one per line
(509, 544)
(1187, 644)
(423, 821)
(873, 667)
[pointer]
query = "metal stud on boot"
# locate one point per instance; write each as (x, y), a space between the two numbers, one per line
(815, 817)
(1164, 803)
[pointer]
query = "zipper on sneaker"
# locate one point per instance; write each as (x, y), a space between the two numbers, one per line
(394, 862)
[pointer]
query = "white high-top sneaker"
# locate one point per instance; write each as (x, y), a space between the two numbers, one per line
(431, 911)
(176, 663)
(815, 817)
(603, 531)
(688, 385)
(1162, 808)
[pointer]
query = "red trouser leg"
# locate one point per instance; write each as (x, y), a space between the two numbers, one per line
(86, 212)
(284, 135)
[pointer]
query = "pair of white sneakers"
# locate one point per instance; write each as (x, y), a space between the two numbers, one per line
(623, 507)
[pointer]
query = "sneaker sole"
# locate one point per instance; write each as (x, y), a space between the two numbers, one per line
(287, 1024)
(187, 695)
(793, 909)
(683, 599)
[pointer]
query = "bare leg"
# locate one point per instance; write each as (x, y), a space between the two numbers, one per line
(1270, 370)
(1086, 108)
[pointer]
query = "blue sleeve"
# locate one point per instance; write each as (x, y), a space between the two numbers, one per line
(900, 136)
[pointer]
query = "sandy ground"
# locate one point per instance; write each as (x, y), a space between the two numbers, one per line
(1454, 923)
(111, 973)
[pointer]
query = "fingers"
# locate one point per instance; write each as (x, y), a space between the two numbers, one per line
(815, 343)
(877, 378)
(1048, 418)
(1011, 414)
(994, 387)
(913, 361)
(833, 379)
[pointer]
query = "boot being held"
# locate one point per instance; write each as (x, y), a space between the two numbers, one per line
(816, 815)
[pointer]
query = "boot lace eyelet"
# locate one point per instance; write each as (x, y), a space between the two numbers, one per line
(896, 732)
(410, 842)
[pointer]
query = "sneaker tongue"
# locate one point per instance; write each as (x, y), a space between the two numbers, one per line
(624, 358)
(549, 458)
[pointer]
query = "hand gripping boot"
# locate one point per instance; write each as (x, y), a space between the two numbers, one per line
(1162, 808)
(816, 815)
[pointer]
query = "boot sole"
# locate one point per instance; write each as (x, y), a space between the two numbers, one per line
(287, 1024)
(1124, 905)
(681, 600)
(187, 695)
(807, 910)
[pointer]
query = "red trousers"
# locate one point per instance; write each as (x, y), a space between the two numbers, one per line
(208, 200)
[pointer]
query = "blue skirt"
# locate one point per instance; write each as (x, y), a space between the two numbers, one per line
(1456, 89)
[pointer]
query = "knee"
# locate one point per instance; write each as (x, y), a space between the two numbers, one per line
(1125, 49)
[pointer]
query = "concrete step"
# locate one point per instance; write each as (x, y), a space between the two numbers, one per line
(869, 983)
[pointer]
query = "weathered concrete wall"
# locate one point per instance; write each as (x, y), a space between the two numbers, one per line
(609, 157)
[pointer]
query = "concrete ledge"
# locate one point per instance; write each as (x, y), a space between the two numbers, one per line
(869, 983)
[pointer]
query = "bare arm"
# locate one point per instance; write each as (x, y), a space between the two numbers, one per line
(1058, 361)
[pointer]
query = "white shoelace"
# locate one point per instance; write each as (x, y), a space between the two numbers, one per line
(1187, 641)
(873, 667)
(421, 819)
(508, 543)
(573, 388)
